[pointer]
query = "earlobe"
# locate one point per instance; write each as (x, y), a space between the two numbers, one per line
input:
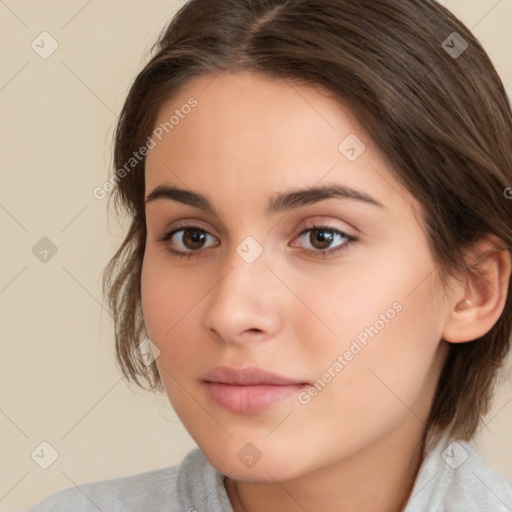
(477, 304)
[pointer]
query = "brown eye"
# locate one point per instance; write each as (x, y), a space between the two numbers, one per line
(321, 238)
(193, 239)
(187, 240)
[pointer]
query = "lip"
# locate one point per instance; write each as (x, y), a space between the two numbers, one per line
(248, 390)
(248, 376)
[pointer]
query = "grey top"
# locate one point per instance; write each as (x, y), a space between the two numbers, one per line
(452, 478)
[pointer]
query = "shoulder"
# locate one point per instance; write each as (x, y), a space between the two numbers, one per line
(455, 478)
(156, 490)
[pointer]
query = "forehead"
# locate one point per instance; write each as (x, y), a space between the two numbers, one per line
(252, 134)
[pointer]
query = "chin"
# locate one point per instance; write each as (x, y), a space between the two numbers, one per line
(271, 465)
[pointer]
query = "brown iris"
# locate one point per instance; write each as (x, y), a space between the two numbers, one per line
(321, 238)
(193, 239)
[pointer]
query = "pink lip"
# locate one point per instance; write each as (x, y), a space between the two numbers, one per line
(248, 390)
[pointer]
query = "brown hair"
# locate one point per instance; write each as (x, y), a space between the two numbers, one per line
(441, 119)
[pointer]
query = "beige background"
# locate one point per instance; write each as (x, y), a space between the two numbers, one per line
(58, 380)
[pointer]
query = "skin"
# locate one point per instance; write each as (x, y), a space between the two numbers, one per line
(356, 445)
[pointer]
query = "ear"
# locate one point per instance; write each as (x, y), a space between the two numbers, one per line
(478, 301)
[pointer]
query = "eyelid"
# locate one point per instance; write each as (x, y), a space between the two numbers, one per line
(188, 223)
(166, 236)
(316, 223)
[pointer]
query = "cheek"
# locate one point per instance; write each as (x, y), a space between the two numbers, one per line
(172, 309)
(156, 305)
(377, 339)
(168, 295)
(163, 317)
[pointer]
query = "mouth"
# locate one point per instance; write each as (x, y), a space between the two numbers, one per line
(249, 390)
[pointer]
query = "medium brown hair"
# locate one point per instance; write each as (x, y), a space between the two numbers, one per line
(442, 120)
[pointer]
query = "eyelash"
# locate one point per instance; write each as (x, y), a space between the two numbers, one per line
(315, 253)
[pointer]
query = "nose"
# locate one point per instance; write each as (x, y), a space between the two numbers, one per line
(245, 303)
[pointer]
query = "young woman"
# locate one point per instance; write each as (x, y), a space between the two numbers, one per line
(317, 271)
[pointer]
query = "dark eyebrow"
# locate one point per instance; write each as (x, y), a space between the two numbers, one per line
(182, 196)
(279, 203)
(301, 197)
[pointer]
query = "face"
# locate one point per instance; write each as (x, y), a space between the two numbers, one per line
(277, 242)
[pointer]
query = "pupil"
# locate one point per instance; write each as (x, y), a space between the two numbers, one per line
(319, 235)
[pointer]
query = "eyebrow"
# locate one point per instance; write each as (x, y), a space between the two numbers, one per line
(281, 202)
